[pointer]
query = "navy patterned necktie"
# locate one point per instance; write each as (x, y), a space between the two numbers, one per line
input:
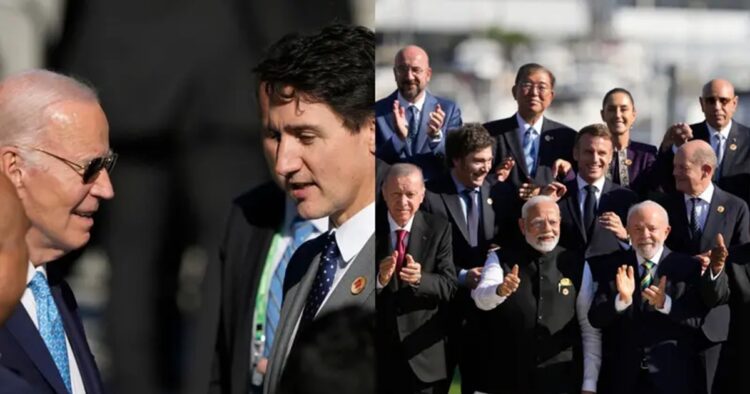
(411, 137)
(324, 278)
(51, 326)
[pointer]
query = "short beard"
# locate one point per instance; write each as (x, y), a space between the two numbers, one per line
(541, 246)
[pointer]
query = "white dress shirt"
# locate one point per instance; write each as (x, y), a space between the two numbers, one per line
(29, 303)
(621, 305)
(702, 205)
(598, 185)
(714, 141)
(523, 126)
(486, 298)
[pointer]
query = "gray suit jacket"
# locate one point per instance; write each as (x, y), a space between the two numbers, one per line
(297, 284)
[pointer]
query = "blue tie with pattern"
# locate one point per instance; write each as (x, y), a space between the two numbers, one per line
(301, 229)
(51, 326)
(528, 150)
(323, 279)
(411, 137)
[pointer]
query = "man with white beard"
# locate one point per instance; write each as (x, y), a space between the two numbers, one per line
(539, 294)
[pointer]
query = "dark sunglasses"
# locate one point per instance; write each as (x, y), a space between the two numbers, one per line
(89, 171)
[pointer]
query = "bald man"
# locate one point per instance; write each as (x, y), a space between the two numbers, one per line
(729, 139)
(411, 123)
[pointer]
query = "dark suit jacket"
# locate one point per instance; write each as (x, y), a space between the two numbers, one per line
(13, 384)
(640, 335)
(614, 198)
(391, 148)
(640, 171)
(298, 281)
(416, 315)
(556, 142)
(25, 354)
(735, 168)
(230, 288)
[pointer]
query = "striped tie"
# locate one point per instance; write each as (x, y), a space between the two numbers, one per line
(51, 326)
(648, 278)
(301, 230)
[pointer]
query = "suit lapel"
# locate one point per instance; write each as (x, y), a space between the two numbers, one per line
(417, 240)
(22, 328)
(77, 338)
(488, 214)
(630, 153)
(574, 208)
(735, 139)
(714, 221)
(430, 102)
(361, 267)
(451, 200)
(514, 143)
(679, 219)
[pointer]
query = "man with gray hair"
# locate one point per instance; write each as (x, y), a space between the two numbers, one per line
(54, 148)
(416, 280)
(648, 306)
(539, 294)
(700, 211)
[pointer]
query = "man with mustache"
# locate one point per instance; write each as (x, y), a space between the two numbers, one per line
(649, 309)
(463, 197)
(591, 206)
(729, 139)
(539, 294)
(412, 123)
(54, 148)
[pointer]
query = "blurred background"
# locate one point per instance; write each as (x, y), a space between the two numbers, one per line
(662, 51)
(175, 80)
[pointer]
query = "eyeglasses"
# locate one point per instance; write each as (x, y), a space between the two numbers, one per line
(528, 87)
(403, 70)
(721, 100)
(90, 169)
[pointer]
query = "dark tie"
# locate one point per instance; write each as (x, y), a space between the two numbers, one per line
(695, 227)
(589, 210)
(323, 279)
(472, 216)
(648, 277)
(400, 249)
(411, 137)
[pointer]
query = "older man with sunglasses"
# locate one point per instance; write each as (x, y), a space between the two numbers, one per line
(54, 148)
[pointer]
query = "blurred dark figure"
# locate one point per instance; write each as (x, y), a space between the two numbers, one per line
(175, 79)
(336, 354)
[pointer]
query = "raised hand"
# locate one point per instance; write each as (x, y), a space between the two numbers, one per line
(528, 190)
(386, 268)
(502, 171)
(625, 281)
(411, 272)
(399, 113)
(510, 283)
(612, 222)
(561, 167)
(718, 255)
(473, 276)
(555, 190)
(678, 134)
(436, 121)
(655, 295)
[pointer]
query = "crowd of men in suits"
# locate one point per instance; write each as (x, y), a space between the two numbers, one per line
(537, 258)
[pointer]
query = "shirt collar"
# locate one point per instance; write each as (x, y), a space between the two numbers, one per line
(320, 224)
(406, 103)
(394, 226)
(599, 183)
(705, 196)
(352, 235)
(31, 271)
(724, 132)
(655, 259)
(523, 125)
(460, 186)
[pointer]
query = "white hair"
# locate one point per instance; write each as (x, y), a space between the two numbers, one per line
(534, 201)
(648, 204)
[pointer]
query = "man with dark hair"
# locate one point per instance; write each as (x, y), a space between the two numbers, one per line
(463, 197)
(632, 161)
(529, 143)
(592, 206)
(412, 123)
(325, 128)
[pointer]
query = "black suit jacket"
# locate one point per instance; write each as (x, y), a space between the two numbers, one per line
(231, 287)
(735, 168)
(25, 354)
(556, 142)
(613, 198)
(640, 335)
(416, 315)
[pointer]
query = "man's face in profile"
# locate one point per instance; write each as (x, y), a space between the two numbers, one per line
(325, 167)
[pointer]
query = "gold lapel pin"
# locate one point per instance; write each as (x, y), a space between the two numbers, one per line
(358, 285)
(720, 209)
(733, 147)
(628, 162)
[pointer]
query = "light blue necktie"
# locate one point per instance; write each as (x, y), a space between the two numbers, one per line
(51, 326)
(529, 151)
(301, 230)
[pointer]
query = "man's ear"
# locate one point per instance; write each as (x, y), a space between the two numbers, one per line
(9, 165)
(369, 128)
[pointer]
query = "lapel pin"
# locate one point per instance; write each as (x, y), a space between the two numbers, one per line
(358, 285)
(565, 291)
(733, 147)
(548, 138)
(489, 201)
(628, 162)
(720, 209)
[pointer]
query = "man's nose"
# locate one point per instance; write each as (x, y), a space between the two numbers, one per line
(103, 186)
(287, 157)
